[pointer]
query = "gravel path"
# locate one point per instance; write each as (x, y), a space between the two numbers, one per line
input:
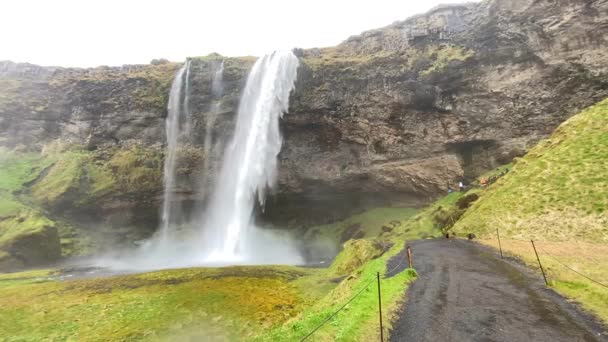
(465, 293)
(397, 263)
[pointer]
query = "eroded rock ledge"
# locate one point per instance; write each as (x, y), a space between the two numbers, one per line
(407, 109)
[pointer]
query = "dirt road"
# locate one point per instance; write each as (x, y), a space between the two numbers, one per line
(465, 292)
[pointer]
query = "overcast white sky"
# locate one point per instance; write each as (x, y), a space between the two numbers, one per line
(115, 32)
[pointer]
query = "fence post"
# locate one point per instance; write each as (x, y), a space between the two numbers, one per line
(409, 256)
(499, 245)
(541, 265)
(380, 308)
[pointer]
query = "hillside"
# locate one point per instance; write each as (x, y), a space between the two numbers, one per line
(557, 196)
(556, 192)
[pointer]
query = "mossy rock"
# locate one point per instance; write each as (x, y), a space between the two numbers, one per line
(354, 254)
(29, 239)
(466, 201)
(444, 218)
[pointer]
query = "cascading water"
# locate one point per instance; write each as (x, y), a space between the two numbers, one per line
(173, 132)
(187, 112)
(210, 149)
(250, 162)
(225, 233)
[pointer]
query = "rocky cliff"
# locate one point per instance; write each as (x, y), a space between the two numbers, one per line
(402, 111)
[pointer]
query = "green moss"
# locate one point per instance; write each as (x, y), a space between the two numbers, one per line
(75, 241)
(137, 169)
(9, 206)
(27, 223)
(64, 176)
(100, 179)
(356, 322)
(556, 192)
(441, 56)
(367, 224)
(17, 169)
(81, 178)
(354, 255)
(424, 224)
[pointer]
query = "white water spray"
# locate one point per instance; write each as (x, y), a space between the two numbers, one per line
(250, 162)
(226, 234)
(172, 127)
(212, 148)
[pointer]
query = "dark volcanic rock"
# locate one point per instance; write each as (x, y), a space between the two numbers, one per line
(411, 108)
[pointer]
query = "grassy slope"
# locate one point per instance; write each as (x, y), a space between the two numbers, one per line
(557, 195)
(558, 191)
(262, 303)
(16, 217)
(63, 175)
(588, 258)
(370, 223)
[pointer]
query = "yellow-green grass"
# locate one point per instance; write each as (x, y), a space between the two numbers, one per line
(67, 176)
(370, 223)
(557, 192)
(590, 259)
(259, 303)
(27, 224)
(8, 205)
(443, 55)
(358, 321)
(17, 169)
(230, 303)
(17, 218)
(423, 224)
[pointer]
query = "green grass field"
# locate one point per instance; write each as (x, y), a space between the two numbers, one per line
(273, 303)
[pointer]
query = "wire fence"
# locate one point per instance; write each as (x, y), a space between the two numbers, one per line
(404, 251)
(572, 269)
(337, 311)
(403, 256)
(547, 254)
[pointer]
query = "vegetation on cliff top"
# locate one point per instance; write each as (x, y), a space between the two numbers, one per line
(425, 61)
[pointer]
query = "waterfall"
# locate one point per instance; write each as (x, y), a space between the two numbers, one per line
(187, 112)
(211, 152)
(249, 166)
(173, 132)
(223, 232)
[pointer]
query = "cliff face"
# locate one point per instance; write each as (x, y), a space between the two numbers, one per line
(456, 91)
(408, 109)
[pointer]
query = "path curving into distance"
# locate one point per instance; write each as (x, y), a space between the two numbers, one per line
(465, 292)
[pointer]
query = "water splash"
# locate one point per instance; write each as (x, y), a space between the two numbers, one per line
(225, 234)
(249, 167)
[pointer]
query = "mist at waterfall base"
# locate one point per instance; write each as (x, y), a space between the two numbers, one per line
(224, 232)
